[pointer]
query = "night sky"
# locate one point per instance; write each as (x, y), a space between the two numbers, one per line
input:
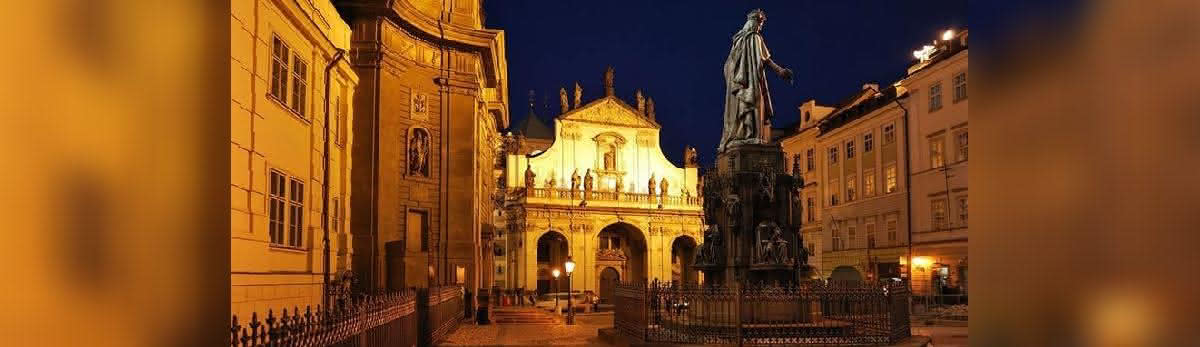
(674, 52)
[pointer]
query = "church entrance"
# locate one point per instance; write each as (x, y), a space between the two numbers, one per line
(624, 241)
(551, 254)
(608, 282)
(683, 254)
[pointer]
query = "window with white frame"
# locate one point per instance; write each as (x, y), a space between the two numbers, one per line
(335, 215)
(960, 140)
(868, 141)
(960, 86)
(850, 149)
(287, 66)
(833, 155)
(852, 237)
(299, 85)
(938, 208)
(279, 69)
(851, 183)
(869, 225)
(837, 239)
(812, 208)
(833, 193)
(295, 213)
(340, 126)
(891, 223)
(796, 163)
(937, 152)
(277, 207)
(889, 133)
(962, 210)
(811, 164)
(935, 97)
(889, 176)
(869, 183)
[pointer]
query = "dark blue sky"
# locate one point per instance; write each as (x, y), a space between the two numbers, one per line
(674, 51)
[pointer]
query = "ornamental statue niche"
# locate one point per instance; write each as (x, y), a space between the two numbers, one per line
(749, 203)
(418, 152)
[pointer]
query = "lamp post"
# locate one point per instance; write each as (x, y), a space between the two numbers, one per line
(555, 273)
(570, 266)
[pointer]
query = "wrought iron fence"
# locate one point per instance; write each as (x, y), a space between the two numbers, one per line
(808, 313)
(404, 318)
(386, 319)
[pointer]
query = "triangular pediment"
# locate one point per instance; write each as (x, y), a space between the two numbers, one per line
(609, 110)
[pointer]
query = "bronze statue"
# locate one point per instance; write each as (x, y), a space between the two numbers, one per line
(748, 109)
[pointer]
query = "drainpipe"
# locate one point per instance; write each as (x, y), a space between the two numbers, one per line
(341, 53)
(907, 192)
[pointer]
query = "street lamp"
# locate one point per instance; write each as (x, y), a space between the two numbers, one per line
(555, 273)
(570, 265)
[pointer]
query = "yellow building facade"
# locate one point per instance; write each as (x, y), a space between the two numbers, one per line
(605, 195)
(289, 76)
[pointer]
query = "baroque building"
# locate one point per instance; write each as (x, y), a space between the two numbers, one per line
(431, 102)
(937, 83)
(291, 90)
(604, 194)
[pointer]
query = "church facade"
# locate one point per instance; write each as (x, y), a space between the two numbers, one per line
(604, 195)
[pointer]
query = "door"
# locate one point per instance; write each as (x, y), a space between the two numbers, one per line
(608, 282)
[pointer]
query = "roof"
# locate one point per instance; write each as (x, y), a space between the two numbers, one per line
(846, 114)
(533, 127)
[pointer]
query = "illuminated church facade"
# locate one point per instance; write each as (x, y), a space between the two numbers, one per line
(602, 193)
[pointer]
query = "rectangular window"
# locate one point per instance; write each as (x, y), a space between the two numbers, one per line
(335, 215)
(889, 133)
(299, 85)
(833, 194)
(961, 142)
(277, 207)
(935, 97)
(460, 274)
(939, 213)
(869, 183)
(296, 214)
(796, 163)
(852, 237)
(851, 182)
(891, 224)
(960, 86)
(850, 149)
(833, 155)
(937, 152)
(279, 69)
(963, 210)
(870, 226)
(837, 240)
(889, 176)
(418, 230)
(812, 206)
(339, 122)
(868, 142)
(811, 164)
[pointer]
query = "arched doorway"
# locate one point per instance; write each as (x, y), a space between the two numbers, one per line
(609, 277)
(624, 246)
(846, 273)
(551, 254)
(683, 254)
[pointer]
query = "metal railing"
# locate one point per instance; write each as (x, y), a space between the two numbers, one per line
(810, 313)
(404, 318)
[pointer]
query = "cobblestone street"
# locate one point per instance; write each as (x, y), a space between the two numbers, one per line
(583, 333)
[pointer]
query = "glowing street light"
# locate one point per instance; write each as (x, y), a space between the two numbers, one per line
(555, 273)
(947, 35)
(570, 266)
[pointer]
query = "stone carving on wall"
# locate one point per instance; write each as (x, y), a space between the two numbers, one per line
(418, 152)
(772, 246)
(610, 112)
(610, 254)
(733, 207)
(709, 252)
(419, 105)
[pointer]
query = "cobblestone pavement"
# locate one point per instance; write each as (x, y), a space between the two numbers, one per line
(943, 336)
(583, 333)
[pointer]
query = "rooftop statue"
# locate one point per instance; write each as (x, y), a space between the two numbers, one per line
(748, 109)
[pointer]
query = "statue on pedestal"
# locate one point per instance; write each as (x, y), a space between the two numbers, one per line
(530, 177)
(641, 103)
(748, 108)
(650, 188)
(587, 185)
(562, 100)
(574, 182)
(663, 186)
